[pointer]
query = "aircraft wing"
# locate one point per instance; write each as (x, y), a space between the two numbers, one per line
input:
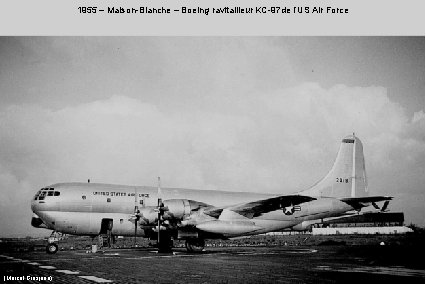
(259, 207)
(359, 202)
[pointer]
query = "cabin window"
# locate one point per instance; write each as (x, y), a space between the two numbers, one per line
(83, 197)
(108, 199)
(121, 221)
(141, 202)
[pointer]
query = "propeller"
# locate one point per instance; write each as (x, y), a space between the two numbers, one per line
(160, 210)
(136, 217)
(384, 207)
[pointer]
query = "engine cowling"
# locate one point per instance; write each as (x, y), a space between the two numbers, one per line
(148, 216)
(174, 209)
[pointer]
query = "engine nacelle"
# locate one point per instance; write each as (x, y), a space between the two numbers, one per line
(148, 216)
(176, 209)
(228, 228)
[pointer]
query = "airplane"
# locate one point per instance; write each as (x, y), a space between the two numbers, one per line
(164, 214)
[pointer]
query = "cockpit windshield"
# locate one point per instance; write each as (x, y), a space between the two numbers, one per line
(48, 191)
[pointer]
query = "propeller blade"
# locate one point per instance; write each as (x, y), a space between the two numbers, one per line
(159, 192)
(159, 212)
(385, 206)
(136, 228)
(136, 212)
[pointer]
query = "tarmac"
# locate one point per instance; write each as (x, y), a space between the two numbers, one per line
(278, 264)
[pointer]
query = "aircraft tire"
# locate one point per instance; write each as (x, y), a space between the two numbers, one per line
(166, 243)
(52, 248)
(194, 245)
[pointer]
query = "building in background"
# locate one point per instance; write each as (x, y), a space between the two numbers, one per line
(368, 223)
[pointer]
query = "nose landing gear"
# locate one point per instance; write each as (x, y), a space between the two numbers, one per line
(52, 243)
(51, 248)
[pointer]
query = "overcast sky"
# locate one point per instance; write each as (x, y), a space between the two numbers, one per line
(252, 114)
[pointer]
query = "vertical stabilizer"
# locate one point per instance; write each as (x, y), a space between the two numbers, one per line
(347, 177)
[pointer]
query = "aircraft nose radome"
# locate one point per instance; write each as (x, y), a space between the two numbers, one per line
(33, 205)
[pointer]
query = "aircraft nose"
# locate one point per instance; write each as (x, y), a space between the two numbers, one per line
(34, 205)
(35, 201)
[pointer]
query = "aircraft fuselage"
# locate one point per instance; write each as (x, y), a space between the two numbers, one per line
(79, 209)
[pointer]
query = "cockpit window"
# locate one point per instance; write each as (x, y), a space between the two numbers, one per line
(42, 193)
(348, 141)
(37, 194)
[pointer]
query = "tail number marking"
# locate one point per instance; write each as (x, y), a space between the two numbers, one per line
(342, 180)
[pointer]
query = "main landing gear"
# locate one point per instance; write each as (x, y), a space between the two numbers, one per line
(194, 245)
(165, 243)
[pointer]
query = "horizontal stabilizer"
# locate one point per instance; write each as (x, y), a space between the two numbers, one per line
(359, 202)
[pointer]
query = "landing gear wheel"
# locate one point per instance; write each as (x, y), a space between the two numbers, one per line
(166, 243)
(195, 245)
(52, 248)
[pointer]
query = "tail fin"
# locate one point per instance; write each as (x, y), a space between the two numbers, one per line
(347, 177)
